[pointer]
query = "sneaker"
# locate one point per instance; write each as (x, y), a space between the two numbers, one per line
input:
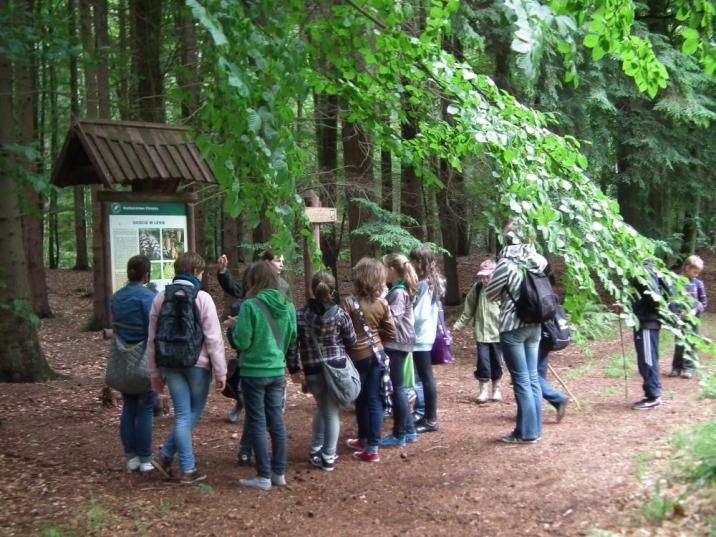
(133, 464)
(355, 444)
(512, 438)
(163, 466)
(278, 480)
(392, 441)
(366, 457)
(561, 409)
(315, 459)
(258, 482)
(424, 426)
(647, 404)
(233, 416)
(145, 467)
(328, 463)
(411, 438)
(244, 459)
(687, 374)
(675, 372)
(191, 477)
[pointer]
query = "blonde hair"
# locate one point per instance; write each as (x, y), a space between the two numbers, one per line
(427, 269)
(323, 284)
(368, 278)
(401, 264)
(694, 261)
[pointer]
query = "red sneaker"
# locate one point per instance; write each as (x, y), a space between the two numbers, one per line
(355, 443)
(366, 457)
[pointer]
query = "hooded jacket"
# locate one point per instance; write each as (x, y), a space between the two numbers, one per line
(260, 354)
(380, 323)
(327, 326)
(507, 280)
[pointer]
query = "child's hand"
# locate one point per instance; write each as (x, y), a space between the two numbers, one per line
(219, 385)
(231, 321)
(157, 384)
(222, 264)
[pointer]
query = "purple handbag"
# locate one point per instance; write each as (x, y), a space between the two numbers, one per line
(441, 352)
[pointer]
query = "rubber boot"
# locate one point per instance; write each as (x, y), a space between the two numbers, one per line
(497, 390)
(484, 394)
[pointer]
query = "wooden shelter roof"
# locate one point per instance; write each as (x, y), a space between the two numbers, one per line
(107, 152)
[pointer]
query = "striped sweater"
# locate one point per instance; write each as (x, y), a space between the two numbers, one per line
(507, 279)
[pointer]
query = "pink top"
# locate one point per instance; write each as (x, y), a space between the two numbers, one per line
(212, 352)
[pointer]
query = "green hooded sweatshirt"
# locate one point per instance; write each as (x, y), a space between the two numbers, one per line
(259, 354)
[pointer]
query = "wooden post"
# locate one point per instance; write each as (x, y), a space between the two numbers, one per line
(317, 215)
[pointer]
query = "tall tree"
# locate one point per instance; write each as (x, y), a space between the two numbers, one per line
(358, 163)
(21, 358)
(146, 53)
(27, 119)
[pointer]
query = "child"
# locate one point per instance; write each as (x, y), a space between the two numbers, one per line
(684, 366)
(404, 282)
(426, 308)
(188, 386)
(265, 333)
(373, 324)
(485, 317)
(324, 333)
(131, 307)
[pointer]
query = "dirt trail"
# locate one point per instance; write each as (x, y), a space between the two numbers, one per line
(64, 467)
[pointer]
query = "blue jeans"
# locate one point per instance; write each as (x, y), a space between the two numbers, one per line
(549, 394)
(424, 369)
(489, 362)
(402, 419)
(646, 342)
(369, 406)
(519, 347)
(263, 400)
(189, 388)
(135, 425)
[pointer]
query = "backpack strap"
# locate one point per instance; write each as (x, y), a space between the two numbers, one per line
(271, 321)
(368, 333)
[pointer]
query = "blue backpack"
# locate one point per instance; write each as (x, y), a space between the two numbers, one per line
(179, 336)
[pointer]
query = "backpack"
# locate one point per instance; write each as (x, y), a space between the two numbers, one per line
(537, 302)
(179, 337)
(555, 332)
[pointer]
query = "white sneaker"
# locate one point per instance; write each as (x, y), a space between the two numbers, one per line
(133, 464)
(258, 482)
(145, 467)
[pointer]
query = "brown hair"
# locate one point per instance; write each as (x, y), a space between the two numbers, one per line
(137, 268)
(427, 269)
(323, 284)
(401, 264)
(259, 276)
(368, 278)
(189, 263)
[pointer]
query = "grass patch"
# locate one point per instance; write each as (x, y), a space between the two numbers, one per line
(615, 367)
(203, 488)
(98, 517)
(166, 505)
(613, 391)
(578, 372)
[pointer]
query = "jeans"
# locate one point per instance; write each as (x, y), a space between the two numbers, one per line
(326, 419)
(489, 362)
(424, 369)
(135, 425)
(549, 394)
(646, 342)
(263, 399)
(683, 361)
(369, 406)
(189, 388)
(519, 347)
(402, 418)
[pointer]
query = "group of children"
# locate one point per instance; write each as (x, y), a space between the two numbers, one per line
(391, 314)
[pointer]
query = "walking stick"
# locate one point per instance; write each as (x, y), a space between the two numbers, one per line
(621, 338)
(566, 388)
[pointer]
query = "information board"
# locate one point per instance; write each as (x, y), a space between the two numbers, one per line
(157, 230)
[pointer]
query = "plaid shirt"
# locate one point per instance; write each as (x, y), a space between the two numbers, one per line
(331, 328)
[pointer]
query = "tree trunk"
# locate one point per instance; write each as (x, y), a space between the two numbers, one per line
(410, 187)
(146, 46)
(450, 233)
(326, 120)
(21, 358)
(81, 257)
(358, 163)
(102, 55)
(90, 71)
(188, 69)
(386, 180)
(123, 56)
(32, 219)
(691, 228)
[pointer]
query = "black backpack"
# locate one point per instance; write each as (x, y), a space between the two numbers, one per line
(537, 302)
(555, 332)
(179, 335)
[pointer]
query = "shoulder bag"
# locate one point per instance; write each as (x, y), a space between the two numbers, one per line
(127, 370)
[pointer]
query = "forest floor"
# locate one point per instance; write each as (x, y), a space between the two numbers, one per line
(64, 471)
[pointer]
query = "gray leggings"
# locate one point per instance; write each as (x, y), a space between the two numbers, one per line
(326, 419)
